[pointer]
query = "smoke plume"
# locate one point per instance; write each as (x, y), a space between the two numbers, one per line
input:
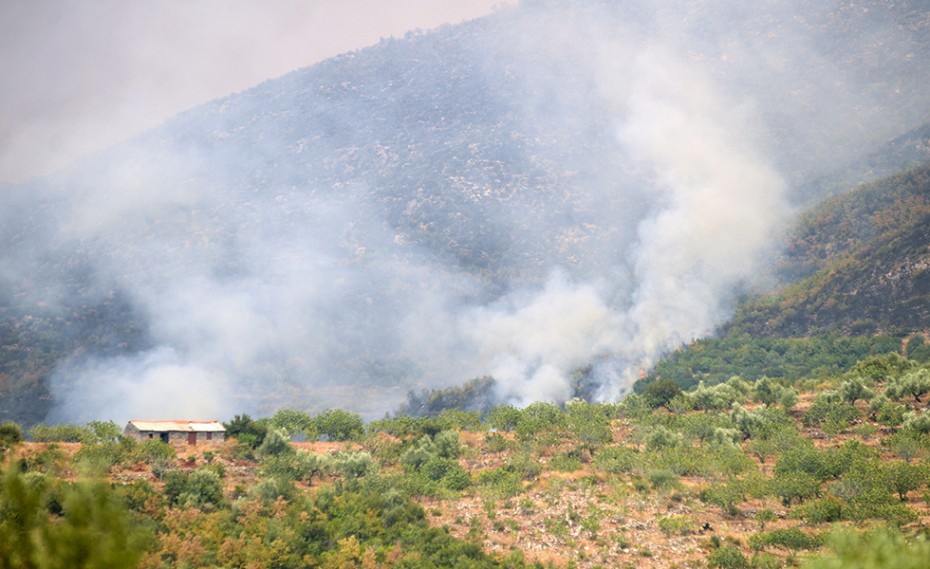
(550, 189)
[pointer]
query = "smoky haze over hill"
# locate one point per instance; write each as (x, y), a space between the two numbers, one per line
(551, 187)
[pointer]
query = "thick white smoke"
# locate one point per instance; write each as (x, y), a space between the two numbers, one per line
(717, 207)
(310, 295)
(720, 204)
(531, 343)
(256, 294)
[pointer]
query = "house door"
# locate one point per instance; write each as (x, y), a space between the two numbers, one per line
(191, 438)
(164, 437)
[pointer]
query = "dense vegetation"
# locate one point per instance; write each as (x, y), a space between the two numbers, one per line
(859, 264)
(791, 471)
(715, 360)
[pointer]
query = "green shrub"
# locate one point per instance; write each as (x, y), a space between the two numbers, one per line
(882, 368)
(803, 458)
(339, 425)
(418, 453)
(877, 550)
(795, 487)
(456, 478)
(663, 479)
(500, 483)
(247, 431)
(661, 438)
(765, 516)
(459, 420)
(725, 495)
(886, 412)
(273, 488)
(617, 460)
(749, 423)
(523, 464)
(789, 538)
(138, 495)
(912, 385)
(728, 557)
(307, 465)
(101, 457)
(681, 525)
(907, 445)
(903, 477)
(660, 392)
(66, 433)
(763, 560)
(294, 422)
(729, 459)
(588, 423)
(855, 389)
(103, 432)
(918, 423)
(203, 489)
(832, 412)
(565, 463)
(436, 468)
(87, 526)
(503, 417)
(447, 445)
(401, 426)
(538, 418)
(354, 464)
(824, 510)
(276, 442)
(683, 460)
(10, 434)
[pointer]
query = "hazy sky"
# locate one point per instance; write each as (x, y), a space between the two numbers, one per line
(79, 75)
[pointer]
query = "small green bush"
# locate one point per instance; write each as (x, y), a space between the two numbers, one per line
(276, 442)
(617, 460)
(523, 464)
(456, 478)
(503, 417)
(10, 434)
(790, 538)
(763, 560)
(354, 464)
(447, 444)
(728, 557)
(538, 418)
(824, 510)
(247, 431)
(659, 393)
(101, 457)
(565, 463)
(204, 488)
(66, 433)
(500, 483)
(663, 479)
(681, 525)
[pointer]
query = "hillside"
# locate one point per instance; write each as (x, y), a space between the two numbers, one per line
(555, 187)
(862, 263)
(716, 476)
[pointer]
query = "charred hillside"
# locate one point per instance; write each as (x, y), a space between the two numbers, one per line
(512, 197)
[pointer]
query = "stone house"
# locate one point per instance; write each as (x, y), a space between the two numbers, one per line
(177, 432)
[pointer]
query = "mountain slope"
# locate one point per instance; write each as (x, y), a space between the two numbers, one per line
(519, 196)
(866, 255)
